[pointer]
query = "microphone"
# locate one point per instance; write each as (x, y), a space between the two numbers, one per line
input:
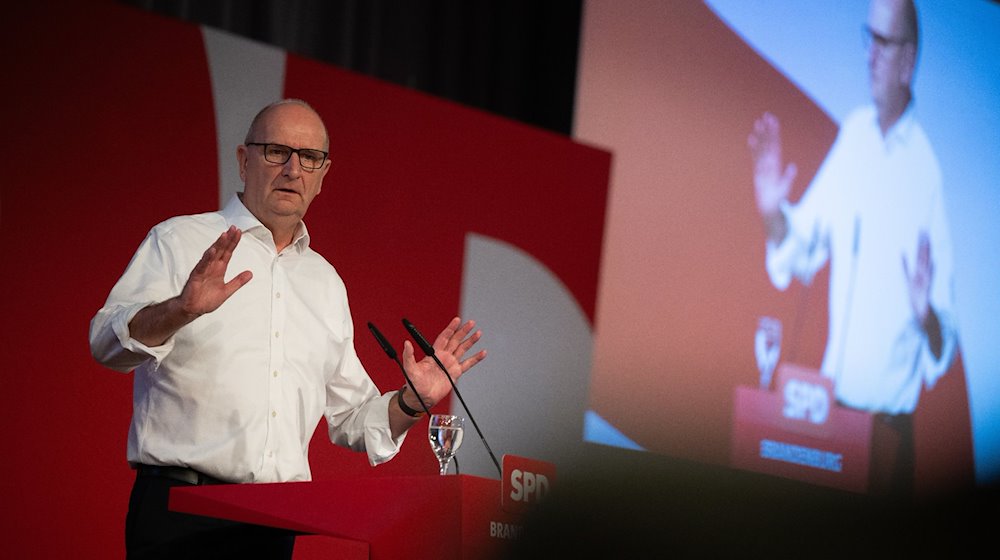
(429, 350)
(422, 342)
(855, 245)
(391, 352)
(386, 347)
(857, 236)
(804, 299)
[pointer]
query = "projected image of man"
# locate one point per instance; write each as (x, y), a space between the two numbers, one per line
(875, 212)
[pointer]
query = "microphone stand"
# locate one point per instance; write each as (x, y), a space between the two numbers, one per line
(429, 350)
(391, 352)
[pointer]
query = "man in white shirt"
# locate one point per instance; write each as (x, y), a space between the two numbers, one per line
(875, 212)
(241, 338)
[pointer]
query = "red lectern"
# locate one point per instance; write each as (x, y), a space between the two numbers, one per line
(798, 431)
(432, 516)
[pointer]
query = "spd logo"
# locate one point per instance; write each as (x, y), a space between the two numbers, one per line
(525, 482)
(806, 401)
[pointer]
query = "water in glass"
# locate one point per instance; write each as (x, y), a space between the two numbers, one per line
(445, 432)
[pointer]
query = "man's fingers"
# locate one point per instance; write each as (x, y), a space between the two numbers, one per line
(409, 362)
(220, 252)
(457, 339)
(238, 282)
(760, 137)
(790, 172)
(765, 145)
(923, 264)
(231, 238)
(445, 337)
(202, 265)
(923, 251)
(468, 363)
(468, 343)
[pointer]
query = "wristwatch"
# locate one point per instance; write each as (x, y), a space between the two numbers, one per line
(412, 413)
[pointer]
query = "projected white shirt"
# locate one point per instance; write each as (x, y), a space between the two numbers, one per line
(864, 211)
(238, 393)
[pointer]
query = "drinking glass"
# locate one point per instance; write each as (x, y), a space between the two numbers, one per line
(767, 347)
(445, 432)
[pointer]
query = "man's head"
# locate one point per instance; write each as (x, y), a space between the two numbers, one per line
(279, 194)
(892, 55)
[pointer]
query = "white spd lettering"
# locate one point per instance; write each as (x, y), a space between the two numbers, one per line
(806, 401)
(527, 486)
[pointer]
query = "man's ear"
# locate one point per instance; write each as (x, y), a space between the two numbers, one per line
(909, 64)
(326, 167)
(241, 161)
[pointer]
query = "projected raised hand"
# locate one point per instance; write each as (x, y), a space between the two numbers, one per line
(772, 183)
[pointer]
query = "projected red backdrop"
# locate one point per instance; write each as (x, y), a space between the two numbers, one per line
(674, 92)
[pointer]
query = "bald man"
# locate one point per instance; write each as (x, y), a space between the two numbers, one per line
(875, 212)
(241, 338)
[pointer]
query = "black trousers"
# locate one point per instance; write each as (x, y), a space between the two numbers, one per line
(901, 474)
(154, 532)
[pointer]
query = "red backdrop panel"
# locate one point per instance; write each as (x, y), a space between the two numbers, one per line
(108, 129)
(411, 176)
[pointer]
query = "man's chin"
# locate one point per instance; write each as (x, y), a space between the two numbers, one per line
(287, 208)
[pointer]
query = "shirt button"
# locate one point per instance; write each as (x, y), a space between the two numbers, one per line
(277, 334)
(277, 295)
(274, 373)
(274, 413)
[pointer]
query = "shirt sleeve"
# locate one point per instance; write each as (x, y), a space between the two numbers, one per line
(146, 281)
(806, 247)
(804, 250)
(357, 415)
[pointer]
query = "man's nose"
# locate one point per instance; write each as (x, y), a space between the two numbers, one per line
(293, 167)
(873, 55)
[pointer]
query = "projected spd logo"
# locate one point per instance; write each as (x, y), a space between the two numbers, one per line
(806, 397)
(525, 482)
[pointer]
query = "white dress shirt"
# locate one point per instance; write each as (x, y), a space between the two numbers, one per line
(238, 393)
(864, 212)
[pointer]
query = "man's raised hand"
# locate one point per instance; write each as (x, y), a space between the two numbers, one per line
(206, 288)
(450, 348)
(204, 291)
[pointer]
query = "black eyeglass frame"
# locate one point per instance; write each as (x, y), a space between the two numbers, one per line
(291, 151)
(871, 37)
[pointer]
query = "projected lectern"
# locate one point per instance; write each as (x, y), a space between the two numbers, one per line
(798, 431)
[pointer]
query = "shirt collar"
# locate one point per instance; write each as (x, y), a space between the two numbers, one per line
(235, 213)
(900, 131)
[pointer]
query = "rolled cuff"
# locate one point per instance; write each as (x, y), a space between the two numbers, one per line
(112, 345)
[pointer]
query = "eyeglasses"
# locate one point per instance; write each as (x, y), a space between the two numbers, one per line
(869, 37)
(280, 154)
